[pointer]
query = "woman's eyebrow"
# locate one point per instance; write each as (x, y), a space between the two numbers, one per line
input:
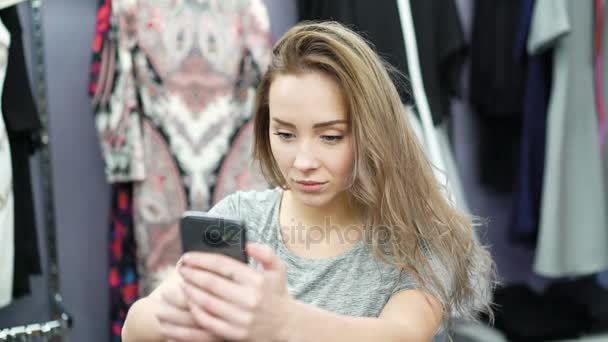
(329, 123)
(317, 125)
(284, 123)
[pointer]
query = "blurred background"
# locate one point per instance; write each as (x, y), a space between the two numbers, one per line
(118, 115)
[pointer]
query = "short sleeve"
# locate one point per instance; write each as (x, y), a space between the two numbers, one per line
(404, 282)
(550, 22)
(228, 207)
(408, 282)
(464, 308)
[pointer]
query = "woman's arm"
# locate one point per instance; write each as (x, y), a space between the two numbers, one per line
(409, 315)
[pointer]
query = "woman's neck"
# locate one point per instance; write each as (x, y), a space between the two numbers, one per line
(339, 212)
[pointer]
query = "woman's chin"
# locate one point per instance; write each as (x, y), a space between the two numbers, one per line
(314, 199)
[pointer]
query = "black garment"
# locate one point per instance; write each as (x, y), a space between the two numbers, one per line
(441, 44)
(497, 89)
(497, 76)
(587, 293)
(499, 151)
(524, 315)
(23, 126)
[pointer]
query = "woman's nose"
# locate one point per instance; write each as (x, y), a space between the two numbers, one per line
(305, 160)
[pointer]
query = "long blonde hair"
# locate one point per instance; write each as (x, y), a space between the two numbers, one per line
(409, 222)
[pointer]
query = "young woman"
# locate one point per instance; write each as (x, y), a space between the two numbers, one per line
(357, 241)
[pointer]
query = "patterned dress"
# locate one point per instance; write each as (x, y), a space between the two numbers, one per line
(181, 91)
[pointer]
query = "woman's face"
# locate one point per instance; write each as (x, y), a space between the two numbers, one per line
(310, 136)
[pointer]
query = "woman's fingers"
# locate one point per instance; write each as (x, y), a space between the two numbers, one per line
(218, 286)
(217, 326)
(222, 265)
(174, 315)
(216, 306)
(186, 334)
(173, 295)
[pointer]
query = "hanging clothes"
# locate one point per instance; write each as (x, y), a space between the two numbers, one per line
(181, 91)
(7, 228)
(101, 57)
(9, 3)
(442, 45)
(433, 139)
(123, 277)
(573, 232)
(23, 127)
(232, 176)
(123, 264)
(496, 93)
(525, 216)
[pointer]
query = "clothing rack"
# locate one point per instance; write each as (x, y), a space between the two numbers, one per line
(61, 321)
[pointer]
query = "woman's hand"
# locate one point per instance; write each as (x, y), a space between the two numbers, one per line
(234, 301)
(174, 317)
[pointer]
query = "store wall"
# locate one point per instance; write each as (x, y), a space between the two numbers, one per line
(81, 196)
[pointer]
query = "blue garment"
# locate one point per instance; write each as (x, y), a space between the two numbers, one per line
(527, 197)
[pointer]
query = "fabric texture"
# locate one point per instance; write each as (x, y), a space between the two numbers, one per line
(573, 234)
(100, 43)
(123, 277)
(524, 315)
(238, 171)
(525, 215)
(496, 91)
(181, 88)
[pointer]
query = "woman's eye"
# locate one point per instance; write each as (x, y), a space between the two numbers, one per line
(332, 138)
(285, 136)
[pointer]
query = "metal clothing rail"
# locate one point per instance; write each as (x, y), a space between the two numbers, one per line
(57, 328)
(47, 331)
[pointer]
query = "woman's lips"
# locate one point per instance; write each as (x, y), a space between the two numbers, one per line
(309, 182)
(310, 186)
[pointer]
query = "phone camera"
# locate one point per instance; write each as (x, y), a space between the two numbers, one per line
(214, 236)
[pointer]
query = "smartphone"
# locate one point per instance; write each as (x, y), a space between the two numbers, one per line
(203, 232)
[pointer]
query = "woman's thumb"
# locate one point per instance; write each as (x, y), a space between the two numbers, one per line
(264, 255)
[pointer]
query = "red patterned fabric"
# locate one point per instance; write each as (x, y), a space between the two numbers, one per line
(122, 276)
(102, 27)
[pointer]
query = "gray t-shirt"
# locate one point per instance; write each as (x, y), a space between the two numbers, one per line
(353, 283)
